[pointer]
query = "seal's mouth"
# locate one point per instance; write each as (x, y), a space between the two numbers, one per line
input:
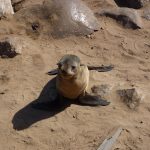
(66, 76)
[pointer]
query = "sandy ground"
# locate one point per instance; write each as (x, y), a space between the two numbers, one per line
(76, 127)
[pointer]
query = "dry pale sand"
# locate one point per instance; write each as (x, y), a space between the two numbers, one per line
(75, 128)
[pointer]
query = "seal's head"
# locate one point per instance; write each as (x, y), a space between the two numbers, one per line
(68, 66)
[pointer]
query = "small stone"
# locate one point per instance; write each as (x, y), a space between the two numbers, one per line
(101, 90)
(35, 26)
(88, 36)
(52, 130)
(141, 122)
(130, 97)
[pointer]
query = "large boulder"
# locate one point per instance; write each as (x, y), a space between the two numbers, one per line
(128, 17)
(71, 17)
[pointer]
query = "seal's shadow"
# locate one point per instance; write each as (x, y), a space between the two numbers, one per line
(27, 116)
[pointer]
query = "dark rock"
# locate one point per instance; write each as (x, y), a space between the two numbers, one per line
(130, 97)
(6, 8)
(17, 4)
(126, 16)
(35, 26)
(136, 4)
(6, 50)
(10, 47)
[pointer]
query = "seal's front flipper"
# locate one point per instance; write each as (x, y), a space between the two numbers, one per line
(101, 68)
(53, 72)
(97, 68)
(89, 100)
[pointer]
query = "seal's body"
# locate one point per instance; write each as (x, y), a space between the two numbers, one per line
(72, 82)
(73, 87)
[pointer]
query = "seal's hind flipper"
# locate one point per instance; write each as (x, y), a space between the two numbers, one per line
(53, 72)
(89, 100)
(101, 68)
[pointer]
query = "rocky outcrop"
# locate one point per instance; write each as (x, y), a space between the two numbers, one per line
(71, 17)
(126, 16)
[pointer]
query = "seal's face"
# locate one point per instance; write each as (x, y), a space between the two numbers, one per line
(69, 66)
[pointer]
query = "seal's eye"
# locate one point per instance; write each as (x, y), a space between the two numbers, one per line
(73, 67)
(59, 65)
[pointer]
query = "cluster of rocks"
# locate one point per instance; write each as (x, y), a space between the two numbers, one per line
(75, 17)
(130, 97)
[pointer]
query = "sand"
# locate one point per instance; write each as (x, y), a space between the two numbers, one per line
(77, 127)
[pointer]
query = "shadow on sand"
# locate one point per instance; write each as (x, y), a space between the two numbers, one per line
(27, 116)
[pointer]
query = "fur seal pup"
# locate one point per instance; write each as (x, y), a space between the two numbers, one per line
(72, 81)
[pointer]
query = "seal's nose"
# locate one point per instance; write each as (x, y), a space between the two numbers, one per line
(64, 72)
